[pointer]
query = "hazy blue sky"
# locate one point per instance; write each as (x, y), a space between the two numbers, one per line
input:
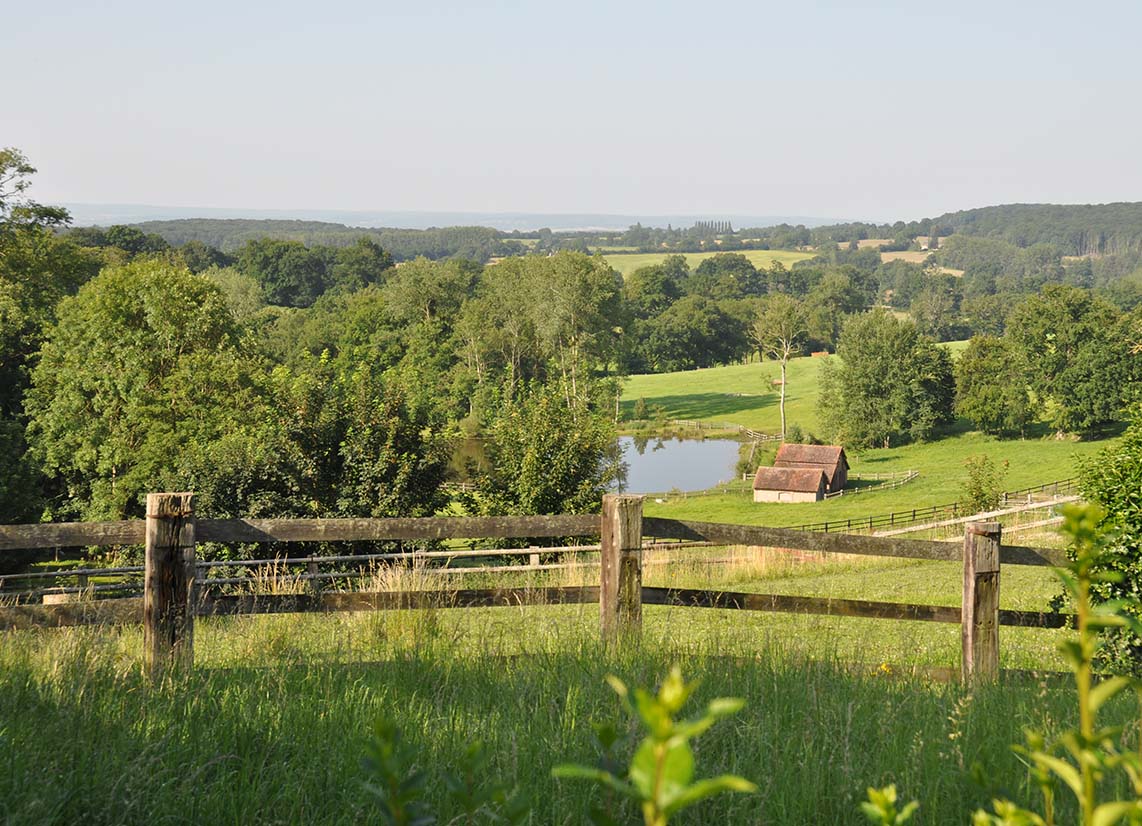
(861, 110)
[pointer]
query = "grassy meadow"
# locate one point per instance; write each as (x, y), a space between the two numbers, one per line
(743, 394)
(272, 724)
(626, 263)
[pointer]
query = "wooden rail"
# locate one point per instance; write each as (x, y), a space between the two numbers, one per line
(171, 601)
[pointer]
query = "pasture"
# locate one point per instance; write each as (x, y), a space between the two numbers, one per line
(628, 263)
(272, 723)
(743, 394)
(279, 738)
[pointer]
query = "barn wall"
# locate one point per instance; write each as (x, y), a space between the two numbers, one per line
(786, 496)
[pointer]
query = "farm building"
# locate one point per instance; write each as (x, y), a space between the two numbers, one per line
(829, 458)
(782, 484)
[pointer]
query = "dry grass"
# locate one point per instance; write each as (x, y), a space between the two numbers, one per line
(276, 579)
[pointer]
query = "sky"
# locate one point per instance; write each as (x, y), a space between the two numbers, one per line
(871, 111)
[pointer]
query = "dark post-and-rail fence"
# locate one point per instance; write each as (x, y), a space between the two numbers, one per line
(173, 599)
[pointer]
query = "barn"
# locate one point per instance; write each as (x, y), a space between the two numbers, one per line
(781, 484)
(829, 458)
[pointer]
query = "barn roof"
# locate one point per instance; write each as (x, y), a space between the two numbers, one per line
(802, 480)
(790, 454)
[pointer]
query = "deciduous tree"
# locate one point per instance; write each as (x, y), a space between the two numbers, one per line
(780, 327)
(891, 383)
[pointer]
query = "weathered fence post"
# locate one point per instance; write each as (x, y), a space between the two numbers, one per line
(313, 584)
(168, 588)
(620, 585)
(980, 607)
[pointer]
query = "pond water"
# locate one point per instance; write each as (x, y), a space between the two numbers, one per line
(658, 465)
(653, 465)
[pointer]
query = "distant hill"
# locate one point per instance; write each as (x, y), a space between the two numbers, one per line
(1084, 229)
(108, 214)
(228, 235)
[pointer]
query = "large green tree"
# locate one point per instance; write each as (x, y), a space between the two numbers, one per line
(141, 369)
(991, 388)
(37, 268)
(1077, 353)
(891, 384)
(290, 274)
(694, 332)
(546, 456)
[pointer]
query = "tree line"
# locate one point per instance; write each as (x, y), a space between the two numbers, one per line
(126, 369)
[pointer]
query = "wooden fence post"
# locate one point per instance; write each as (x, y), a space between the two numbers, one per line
(620, 585)
(168, 588)
(980, 608)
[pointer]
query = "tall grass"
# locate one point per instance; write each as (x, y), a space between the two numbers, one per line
(84, 739)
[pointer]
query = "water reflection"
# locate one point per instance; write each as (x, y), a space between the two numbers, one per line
(656, 465)
(648, 464)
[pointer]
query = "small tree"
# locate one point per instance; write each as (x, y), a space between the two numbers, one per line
(778, 331)
(983, 489)
(545, 456)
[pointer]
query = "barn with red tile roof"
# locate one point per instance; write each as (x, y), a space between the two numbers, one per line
(829, 458)
(780, 484)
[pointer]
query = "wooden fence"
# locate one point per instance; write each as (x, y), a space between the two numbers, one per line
(172, 601)
(952, 510)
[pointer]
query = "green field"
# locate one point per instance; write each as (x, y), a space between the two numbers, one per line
(628, 263)
(739, 394)
(273, 723)
(743, 394)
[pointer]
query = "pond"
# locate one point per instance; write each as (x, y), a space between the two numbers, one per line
(653, 465)
(659, 465)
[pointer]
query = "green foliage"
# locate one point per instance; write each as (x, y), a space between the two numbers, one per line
(547, 454)
(880, 808)
(991, 389)
(1079, 229)
(892, 384)
(395, 784)
(290, 274)
(693, 332)
(244, 296)
(480, 798)
(1082, 759)
(36, 270)
(1113, 479)
(1076, 349)
(983, 489)
(660, 778)
(228, 235)
(143, 367)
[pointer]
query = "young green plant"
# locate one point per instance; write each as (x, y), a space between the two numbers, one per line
(660, 778)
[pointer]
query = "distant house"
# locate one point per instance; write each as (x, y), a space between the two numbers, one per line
(781, 484)
(828, 458)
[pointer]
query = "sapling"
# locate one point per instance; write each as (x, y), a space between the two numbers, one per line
(395, 783)
(660, 778)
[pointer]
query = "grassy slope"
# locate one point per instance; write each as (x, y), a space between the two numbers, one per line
(713, 395)
(739, 393)
(628, 263)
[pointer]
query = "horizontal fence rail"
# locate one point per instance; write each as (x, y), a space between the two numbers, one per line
(931, 513)
(177, 585)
